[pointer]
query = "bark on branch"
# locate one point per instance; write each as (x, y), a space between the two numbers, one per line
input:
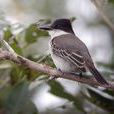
(6, 55)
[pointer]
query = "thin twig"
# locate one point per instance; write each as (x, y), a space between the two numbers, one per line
(7, 46)
(98, 5)
(6, 55)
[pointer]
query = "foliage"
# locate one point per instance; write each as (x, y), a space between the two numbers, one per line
(58, 90)
(15, 93)
(101, 101)
(15, 99)
(111, 1)
(32, 33)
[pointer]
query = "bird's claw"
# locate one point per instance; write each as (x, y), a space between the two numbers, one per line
(52, 78)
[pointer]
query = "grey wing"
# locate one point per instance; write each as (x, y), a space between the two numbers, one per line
(73, 57)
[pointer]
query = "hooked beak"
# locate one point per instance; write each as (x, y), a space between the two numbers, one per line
(45, 27)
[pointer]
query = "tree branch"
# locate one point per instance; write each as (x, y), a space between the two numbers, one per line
(6, 55)
(98, 5)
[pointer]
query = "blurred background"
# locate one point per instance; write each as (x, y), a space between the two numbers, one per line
(23, 91)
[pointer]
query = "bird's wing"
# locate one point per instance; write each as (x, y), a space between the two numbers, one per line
(75, 57)
(72, 49)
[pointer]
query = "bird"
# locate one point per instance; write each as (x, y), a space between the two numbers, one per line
(68, 52)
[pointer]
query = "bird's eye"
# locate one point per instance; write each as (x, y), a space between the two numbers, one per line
(58, 26)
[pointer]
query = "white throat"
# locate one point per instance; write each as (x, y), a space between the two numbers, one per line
(55, 33)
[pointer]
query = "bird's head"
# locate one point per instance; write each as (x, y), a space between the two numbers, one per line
(59, 24)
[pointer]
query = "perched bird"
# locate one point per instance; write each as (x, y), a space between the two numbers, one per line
(68, 52)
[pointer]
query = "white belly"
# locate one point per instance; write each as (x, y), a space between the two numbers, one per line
(61, 63)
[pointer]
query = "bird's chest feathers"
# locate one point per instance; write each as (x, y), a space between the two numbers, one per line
(55, 33)
(58, 61)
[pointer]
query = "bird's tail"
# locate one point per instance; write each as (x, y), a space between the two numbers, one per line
(98, 76)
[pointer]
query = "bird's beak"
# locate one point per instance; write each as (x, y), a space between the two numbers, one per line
(45, 27)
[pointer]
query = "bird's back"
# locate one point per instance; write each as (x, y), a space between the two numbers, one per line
(72, 43)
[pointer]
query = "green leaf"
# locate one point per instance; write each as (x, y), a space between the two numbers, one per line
(43, 21)
(111, 1)
(29, 108)
(17, 73)
(7, 34)
(3, 95)
(16, 48)
(32, 33)
(109, 65)
(72, 19)
(58, 90)
(15, 99)
(47, 60)
(101, 101)
(108, 91)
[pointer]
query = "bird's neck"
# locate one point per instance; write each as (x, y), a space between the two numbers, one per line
(56, 33)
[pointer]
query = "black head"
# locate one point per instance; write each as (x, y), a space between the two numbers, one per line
(60, 24)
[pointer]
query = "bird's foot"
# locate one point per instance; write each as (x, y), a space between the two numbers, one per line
(77, 74)
(52, 78)
(80, 75)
